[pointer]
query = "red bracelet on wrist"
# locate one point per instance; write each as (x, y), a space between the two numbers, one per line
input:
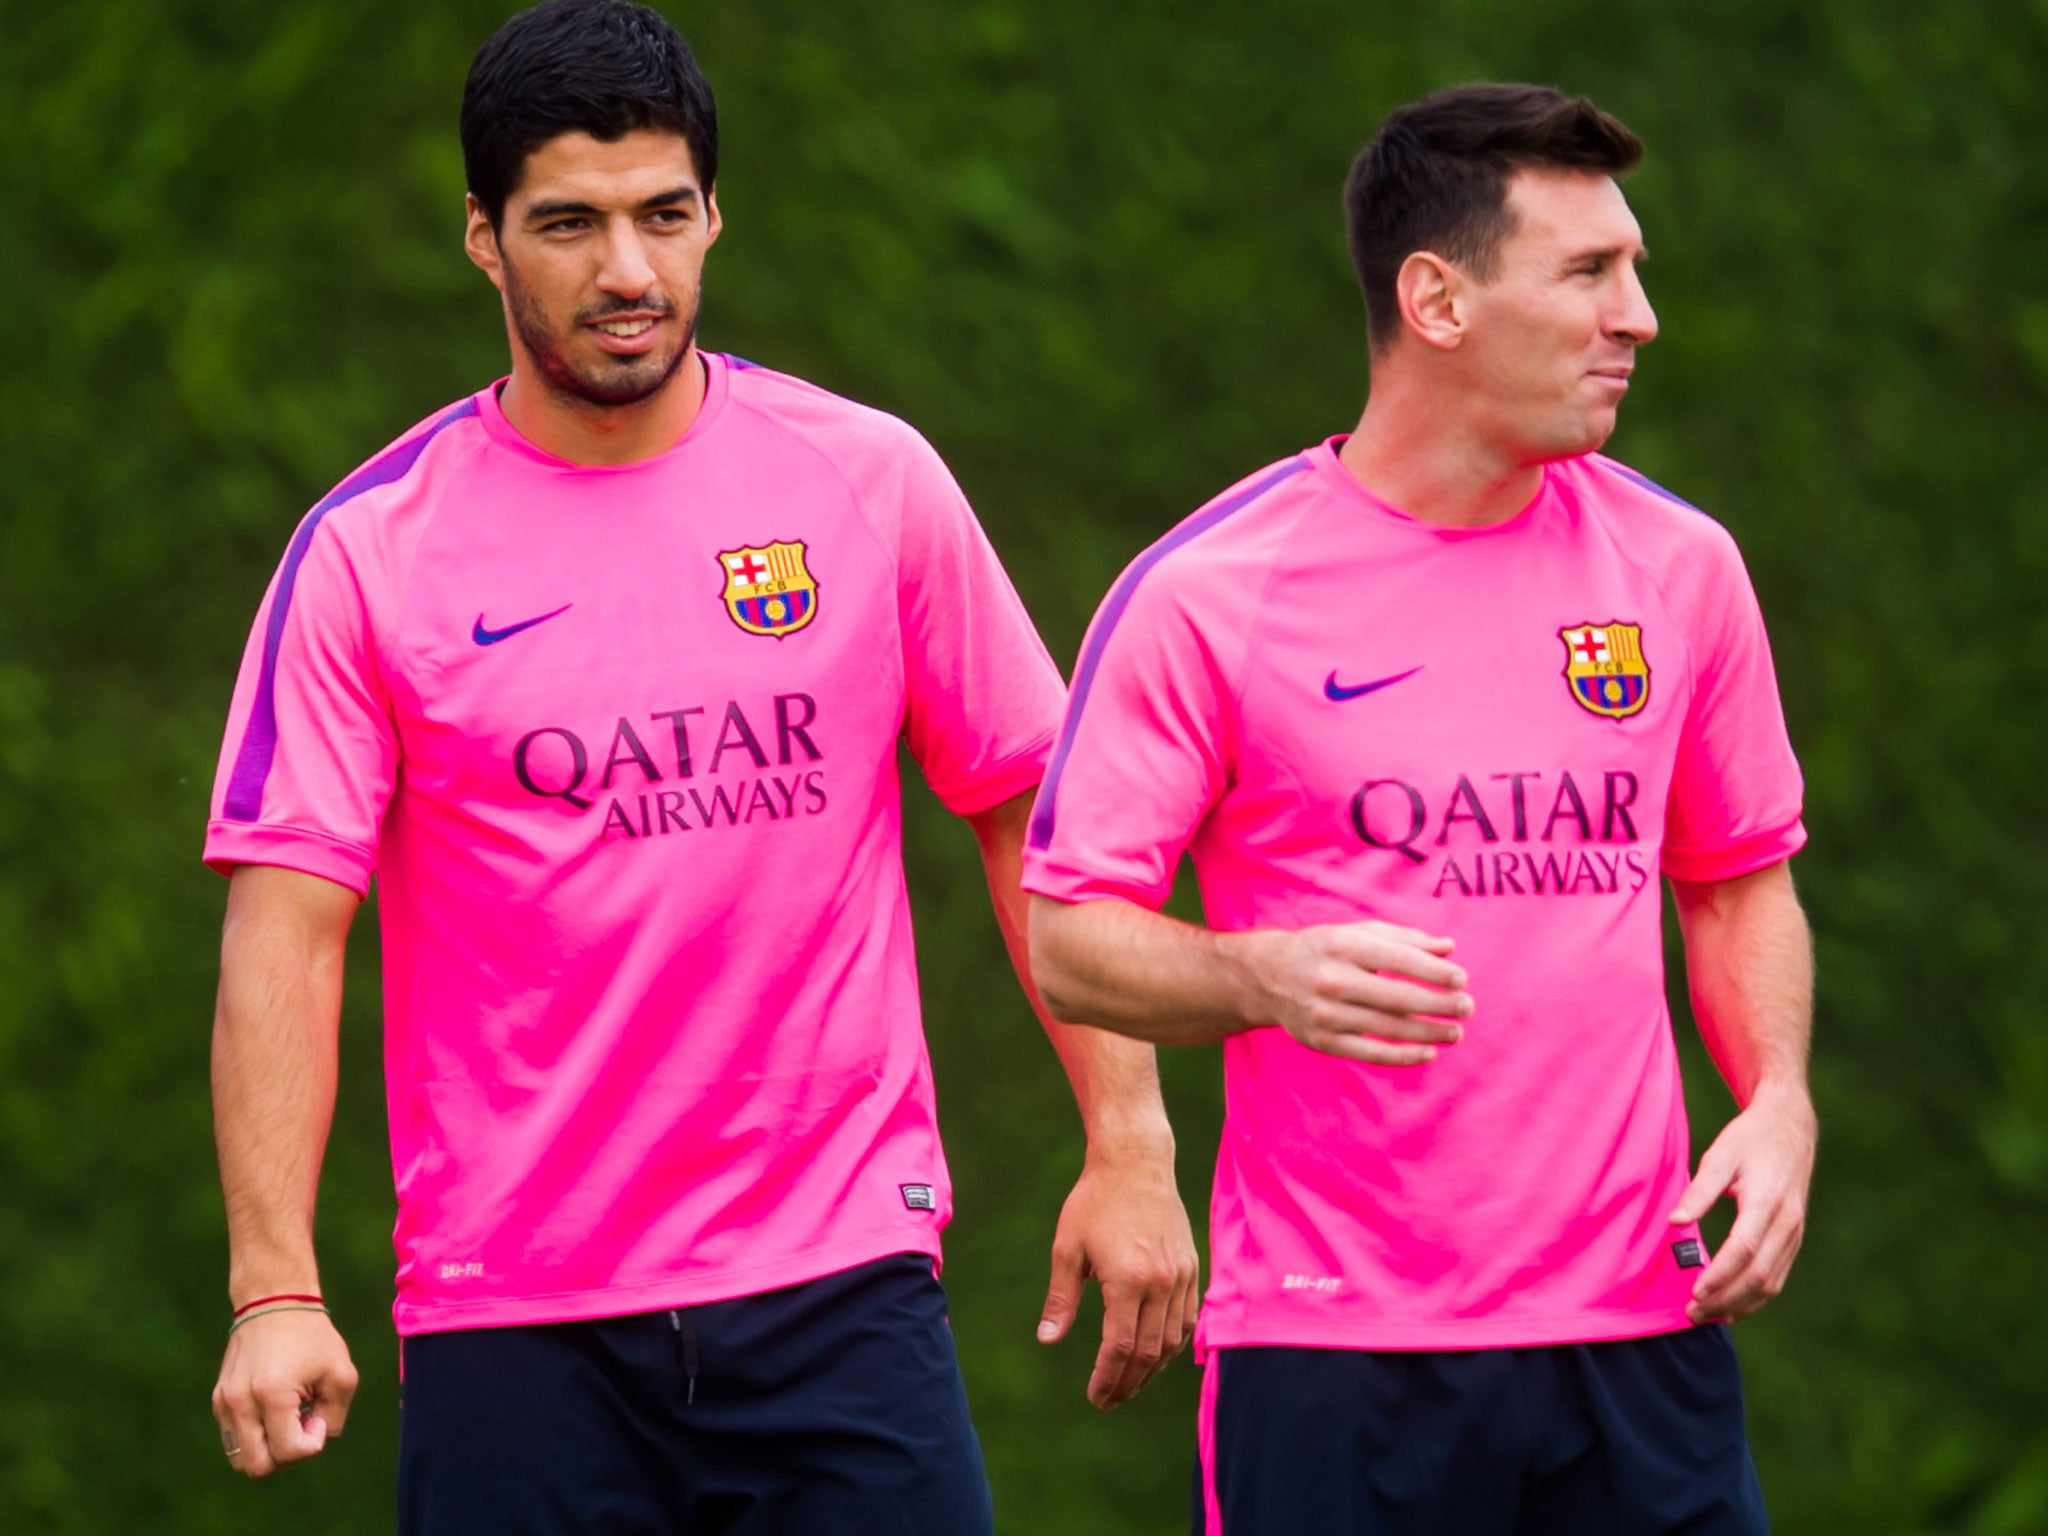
(264, 1301)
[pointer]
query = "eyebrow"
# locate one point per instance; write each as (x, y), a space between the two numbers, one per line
(1606, 253)
(562, 208)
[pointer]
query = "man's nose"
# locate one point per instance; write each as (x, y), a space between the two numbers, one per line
(1635, 322)
(626, 272)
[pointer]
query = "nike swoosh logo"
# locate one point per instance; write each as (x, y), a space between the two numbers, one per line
(1336, 691)
(484, 636)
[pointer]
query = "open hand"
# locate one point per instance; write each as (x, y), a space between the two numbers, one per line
(1764, 1158)
(1365, 991)
(1124, 1225)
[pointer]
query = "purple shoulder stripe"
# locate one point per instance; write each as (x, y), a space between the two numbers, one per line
(1650, 485)
(1119, 599)
(244, 799)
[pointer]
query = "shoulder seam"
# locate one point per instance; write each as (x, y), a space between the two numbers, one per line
(1322, 499)
(387, 649)
(1044, 814)
(243, 801)
(1638, 478)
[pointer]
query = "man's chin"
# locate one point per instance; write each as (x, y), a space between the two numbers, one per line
(1587, 435)
(614, 383)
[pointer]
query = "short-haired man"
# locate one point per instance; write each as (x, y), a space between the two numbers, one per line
(601, 672)
(1456, 674)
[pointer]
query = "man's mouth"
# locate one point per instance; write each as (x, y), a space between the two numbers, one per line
(625, 329)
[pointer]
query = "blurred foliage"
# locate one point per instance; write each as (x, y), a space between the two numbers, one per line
(1094, 253)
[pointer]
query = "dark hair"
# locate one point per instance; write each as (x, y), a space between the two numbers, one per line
(602, 67)
(1435, 178)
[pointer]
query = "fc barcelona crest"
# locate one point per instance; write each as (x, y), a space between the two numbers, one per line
(1605, 669)
(769, 590)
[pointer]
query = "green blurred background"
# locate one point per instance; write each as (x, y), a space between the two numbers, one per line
(1094, 253)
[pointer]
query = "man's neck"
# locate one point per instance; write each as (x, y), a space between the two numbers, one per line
(585, 433)
(1413, 454)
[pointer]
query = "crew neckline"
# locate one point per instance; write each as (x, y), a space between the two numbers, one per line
(491, 412)
(1339, 479)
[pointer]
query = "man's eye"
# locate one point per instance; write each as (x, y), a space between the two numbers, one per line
(669, 218)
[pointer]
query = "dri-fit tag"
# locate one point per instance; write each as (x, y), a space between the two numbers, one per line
(919, 1197)
(1688, 1254)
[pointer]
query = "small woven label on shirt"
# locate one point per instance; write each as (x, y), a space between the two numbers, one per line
(919, 1197)
(1688, 1253)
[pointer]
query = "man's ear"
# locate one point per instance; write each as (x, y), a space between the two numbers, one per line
(714, 221)
(1431, 293)
(480, 242)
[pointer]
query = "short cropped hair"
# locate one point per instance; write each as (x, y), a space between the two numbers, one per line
(1435, 178)
(601, 67)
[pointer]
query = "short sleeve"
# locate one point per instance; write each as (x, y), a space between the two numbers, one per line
(311, 753)
(1144, 753)
(1736, 790)
(983, 698)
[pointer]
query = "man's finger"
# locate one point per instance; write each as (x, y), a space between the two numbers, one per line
(1380, 953)
(1150, 1353)
(1717, 1172)
(1353, 1019)
(1379, 1053)
(1728, 1275)
(1433, 943)
(291, 1437)
(1756, 1273)
(1372, 930)
(1177, 1330)
(332, 1396)
(1062, 1295)
(1390, 996)
(1120, 1308)
(251, 1448)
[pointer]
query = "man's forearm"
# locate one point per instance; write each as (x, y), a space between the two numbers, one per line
(1749, 964)
(1115, 1081)
(1121, 967)
(275, 1033)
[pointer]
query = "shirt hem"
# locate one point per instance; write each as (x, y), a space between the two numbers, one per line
(655, 1295)
(230, 843)
(1743, 857)
(970, 797)
(1487, 1333)
(1059, 880)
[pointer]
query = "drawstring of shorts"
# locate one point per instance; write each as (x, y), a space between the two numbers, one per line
(686, 1346)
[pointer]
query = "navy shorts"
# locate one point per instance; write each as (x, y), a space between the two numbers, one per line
(1639, 1437)
(833, 1406)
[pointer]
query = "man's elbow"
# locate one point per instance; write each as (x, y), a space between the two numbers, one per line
(1052, 972)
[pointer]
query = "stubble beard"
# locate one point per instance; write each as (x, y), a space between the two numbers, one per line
(624, 380)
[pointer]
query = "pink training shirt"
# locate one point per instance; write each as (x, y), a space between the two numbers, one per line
(1501, 734)
(619, 745)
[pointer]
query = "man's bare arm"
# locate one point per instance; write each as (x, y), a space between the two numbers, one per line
(1749, 962)
(1124, 1223)
(286, 1379)
(1367, 991)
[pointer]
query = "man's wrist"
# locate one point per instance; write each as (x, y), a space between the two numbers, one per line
(1132, 1146)
(1787, 1094)
(277, 1275)
(1246, 958)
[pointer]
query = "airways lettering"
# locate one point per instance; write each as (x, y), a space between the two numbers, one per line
(1394, 816)
(1590, 873)
(555, 762)
(739, 804)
